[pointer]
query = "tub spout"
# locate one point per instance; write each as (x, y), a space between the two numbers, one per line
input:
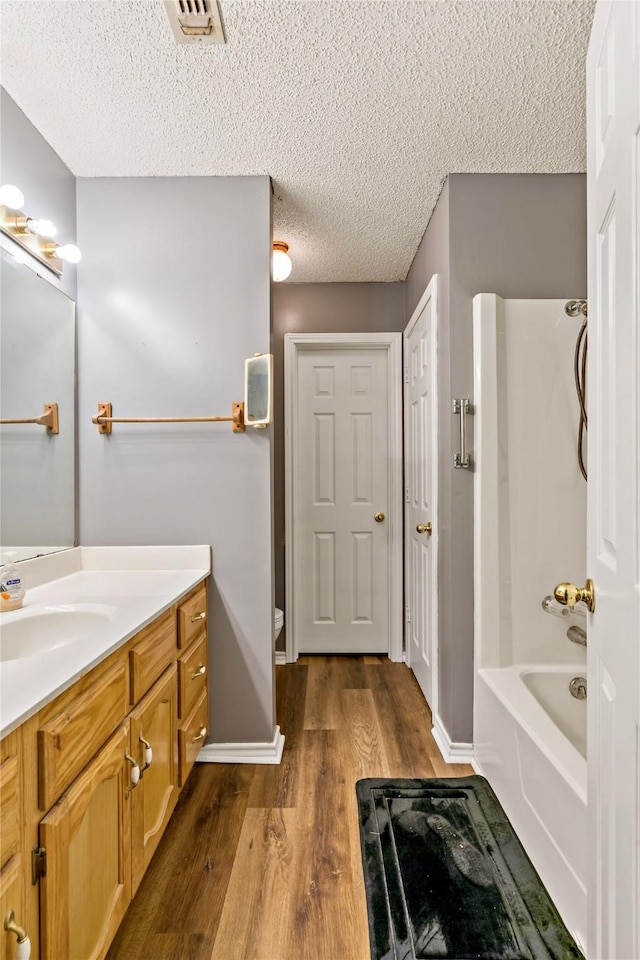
(577, 635)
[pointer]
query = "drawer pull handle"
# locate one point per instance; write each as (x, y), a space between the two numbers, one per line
(200, 672)
(201, 735)
(23, 946)
(148, 752)
(135, 773)
(199, 616)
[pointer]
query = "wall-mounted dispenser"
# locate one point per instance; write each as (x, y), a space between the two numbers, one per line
(258, 390)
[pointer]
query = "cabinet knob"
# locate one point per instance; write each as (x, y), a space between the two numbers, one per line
(201, 735)
(199, 616)
(200, 672)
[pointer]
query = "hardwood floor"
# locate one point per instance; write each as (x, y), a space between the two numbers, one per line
(262, 862)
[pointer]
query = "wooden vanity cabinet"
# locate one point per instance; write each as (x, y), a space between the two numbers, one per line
(66, 786)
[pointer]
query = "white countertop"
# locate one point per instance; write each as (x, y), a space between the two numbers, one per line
(130, 585)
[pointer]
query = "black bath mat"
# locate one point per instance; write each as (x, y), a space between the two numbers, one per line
(447, 877)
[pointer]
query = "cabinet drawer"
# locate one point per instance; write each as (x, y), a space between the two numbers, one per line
(9, 807)
(72, 737)
(153, 652)
(192, 675)
(192, 617)
(192, 735)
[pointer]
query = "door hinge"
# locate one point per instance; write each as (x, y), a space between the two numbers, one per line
(407, 614)
(406, 374)
(407, 497)
(38, 863)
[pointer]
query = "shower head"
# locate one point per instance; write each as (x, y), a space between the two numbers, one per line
(573, 308)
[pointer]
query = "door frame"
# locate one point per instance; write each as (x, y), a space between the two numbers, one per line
(391, 343)
(430, 295)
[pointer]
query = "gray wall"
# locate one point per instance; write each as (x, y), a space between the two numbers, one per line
(518, 235)
(48, 185)
(174, 294)
(320, 308)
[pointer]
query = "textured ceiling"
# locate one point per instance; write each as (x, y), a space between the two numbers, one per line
(358, 110)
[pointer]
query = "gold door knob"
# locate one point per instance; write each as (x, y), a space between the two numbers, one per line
(424, 528)
(568, 595)
(378, 517)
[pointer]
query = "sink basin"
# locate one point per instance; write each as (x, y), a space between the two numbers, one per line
(31, 632)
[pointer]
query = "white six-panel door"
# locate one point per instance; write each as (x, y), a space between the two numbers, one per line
(343, 512)
(420, 444)
(613, 527)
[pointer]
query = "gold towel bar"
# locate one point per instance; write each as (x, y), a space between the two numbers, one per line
(104, 419)
(48, 419)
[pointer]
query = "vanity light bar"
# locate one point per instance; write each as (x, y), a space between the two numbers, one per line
(34, 236)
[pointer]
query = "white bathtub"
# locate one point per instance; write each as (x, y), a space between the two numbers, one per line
(529, 734)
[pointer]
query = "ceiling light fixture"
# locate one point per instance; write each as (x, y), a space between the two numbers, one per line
(281, 265)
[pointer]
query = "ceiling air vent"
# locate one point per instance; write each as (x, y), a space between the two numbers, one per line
(195, 21)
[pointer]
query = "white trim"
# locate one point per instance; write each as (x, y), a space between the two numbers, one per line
(261, 752)
(392, 343)
(476, 767)
(430, 294)
(281, 657)
(451, 752)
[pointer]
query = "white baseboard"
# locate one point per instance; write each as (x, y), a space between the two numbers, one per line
(267, 752)
(451, 752)
(281, 657)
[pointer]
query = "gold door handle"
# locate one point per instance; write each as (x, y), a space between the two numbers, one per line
(378, 517)
(568, 595)
(424, 528)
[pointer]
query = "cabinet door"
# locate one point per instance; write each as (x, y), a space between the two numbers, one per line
(13, 879)
(153, 800)
(87, 888)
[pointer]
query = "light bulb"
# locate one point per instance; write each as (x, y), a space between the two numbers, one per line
(280, 261)
(11, 197)
(69, 252)
(42, 228)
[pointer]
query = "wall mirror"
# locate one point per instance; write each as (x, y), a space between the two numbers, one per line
(258, 390)
(37, 371)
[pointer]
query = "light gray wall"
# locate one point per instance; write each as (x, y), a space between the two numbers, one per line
(320, 308)
(174, 294)
(48, 185)
(518, 235)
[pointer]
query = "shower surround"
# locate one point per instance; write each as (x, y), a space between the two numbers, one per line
(530, 534)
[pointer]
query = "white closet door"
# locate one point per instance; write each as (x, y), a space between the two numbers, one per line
(613, 491)
(421, 490)
(342, 455)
